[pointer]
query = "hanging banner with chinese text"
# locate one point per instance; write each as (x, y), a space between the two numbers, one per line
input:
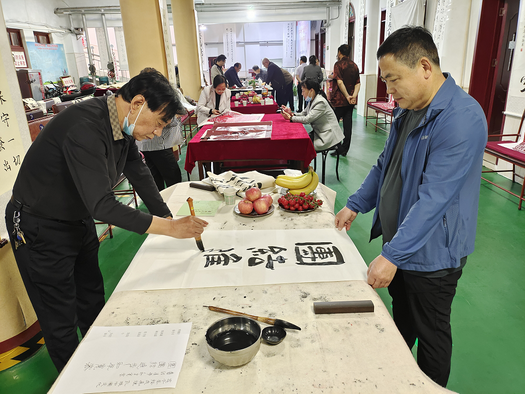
(289, 45)
(303, 38)
(230, 42)
(11, 148)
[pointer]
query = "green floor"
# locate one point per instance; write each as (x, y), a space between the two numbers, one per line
(488, 314)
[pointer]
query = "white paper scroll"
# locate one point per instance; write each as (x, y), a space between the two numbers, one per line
(289, 45)
(234, 258)
(229, 42)
(11, 148)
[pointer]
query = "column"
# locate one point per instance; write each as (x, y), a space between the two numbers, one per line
(143, 32)
(187, 46)
(369, 76)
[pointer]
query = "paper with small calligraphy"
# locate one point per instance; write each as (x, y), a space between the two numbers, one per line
(131, 358)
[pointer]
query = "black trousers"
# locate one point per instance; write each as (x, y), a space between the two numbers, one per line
(345, 113)
(299, 98)
(163, 167)
(421, 309)
(281, 96)
(59, 268)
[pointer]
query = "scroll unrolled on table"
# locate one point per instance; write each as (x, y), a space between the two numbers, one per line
(344, 307)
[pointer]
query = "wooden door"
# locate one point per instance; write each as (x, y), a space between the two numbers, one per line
(381, 86)
(503, 65)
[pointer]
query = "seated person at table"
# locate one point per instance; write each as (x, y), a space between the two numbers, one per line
(214, 100)
(232, 75)
(319, 114)
(261, 74)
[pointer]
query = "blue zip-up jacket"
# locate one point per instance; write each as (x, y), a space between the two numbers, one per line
(441, 171)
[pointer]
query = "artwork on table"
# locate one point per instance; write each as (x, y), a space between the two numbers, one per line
(235, 117)
(238, 131)
(239, 258)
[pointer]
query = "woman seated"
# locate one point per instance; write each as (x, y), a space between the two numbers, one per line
(214, 100)
(319, 114)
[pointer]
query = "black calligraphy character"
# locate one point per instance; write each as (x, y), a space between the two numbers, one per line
(256, 260)
(2, 143)
(7, 167)
(221, 258)
(16, 160)
(2, 100)
(5, 118)
(318, 253)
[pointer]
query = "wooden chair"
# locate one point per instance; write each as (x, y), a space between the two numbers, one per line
(189, 124)
(383, 108)
(515, 157)
(119, 193)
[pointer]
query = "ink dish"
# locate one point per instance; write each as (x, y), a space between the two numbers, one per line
(273, 335)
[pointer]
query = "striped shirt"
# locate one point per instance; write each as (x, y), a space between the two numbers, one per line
(166, 140)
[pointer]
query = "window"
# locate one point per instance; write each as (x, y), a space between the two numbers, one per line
(17, 48)
(42, 38)
(15, 39)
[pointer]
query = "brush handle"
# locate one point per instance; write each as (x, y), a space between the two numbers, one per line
(192, 212)
(266, 320)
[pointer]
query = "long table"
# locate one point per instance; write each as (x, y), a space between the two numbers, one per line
(334, 353)
(290, 146)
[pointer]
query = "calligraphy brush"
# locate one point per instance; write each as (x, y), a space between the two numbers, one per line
(267, 320)
(198, 237)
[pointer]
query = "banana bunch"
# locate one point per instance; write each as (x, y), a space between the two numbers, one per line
(305, 183)
(256, 100)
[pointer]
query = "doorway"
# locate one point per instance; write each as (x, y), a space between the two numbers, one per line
(381, 86)
(492, 61)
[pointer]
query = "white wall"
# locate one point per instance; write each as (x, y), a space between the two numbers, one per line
(255, 41)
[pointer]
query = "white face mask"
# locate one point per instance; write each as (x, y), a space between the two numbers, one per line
(128, 128)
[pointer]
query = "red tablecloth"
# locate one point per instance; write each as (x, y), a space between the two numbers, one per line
(289, 141)
(255, 108)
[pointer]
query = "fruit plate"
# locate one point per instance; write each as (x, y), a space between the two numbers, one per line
(308, 211)
(254, 214)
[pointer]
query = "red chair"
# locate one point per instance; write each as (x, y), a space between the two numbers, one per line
(383, 112)
(515, 157)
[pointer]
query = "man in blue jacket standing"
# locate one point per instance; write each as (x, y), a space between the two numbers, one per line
(425, 188)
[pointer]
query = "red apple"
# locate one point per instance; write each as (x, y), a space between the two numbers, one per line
(261, 206)
(268, 198)
(253, 193)
(245, 207)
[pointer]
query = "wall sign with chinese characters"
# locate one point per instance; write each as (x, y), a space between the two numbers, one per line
(235, 258)
(11, 148)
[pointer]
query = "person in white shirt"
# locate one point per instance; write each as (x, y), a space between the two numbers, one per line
(216, 69)
(299, 76)
(214, 100)
(324, 75)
